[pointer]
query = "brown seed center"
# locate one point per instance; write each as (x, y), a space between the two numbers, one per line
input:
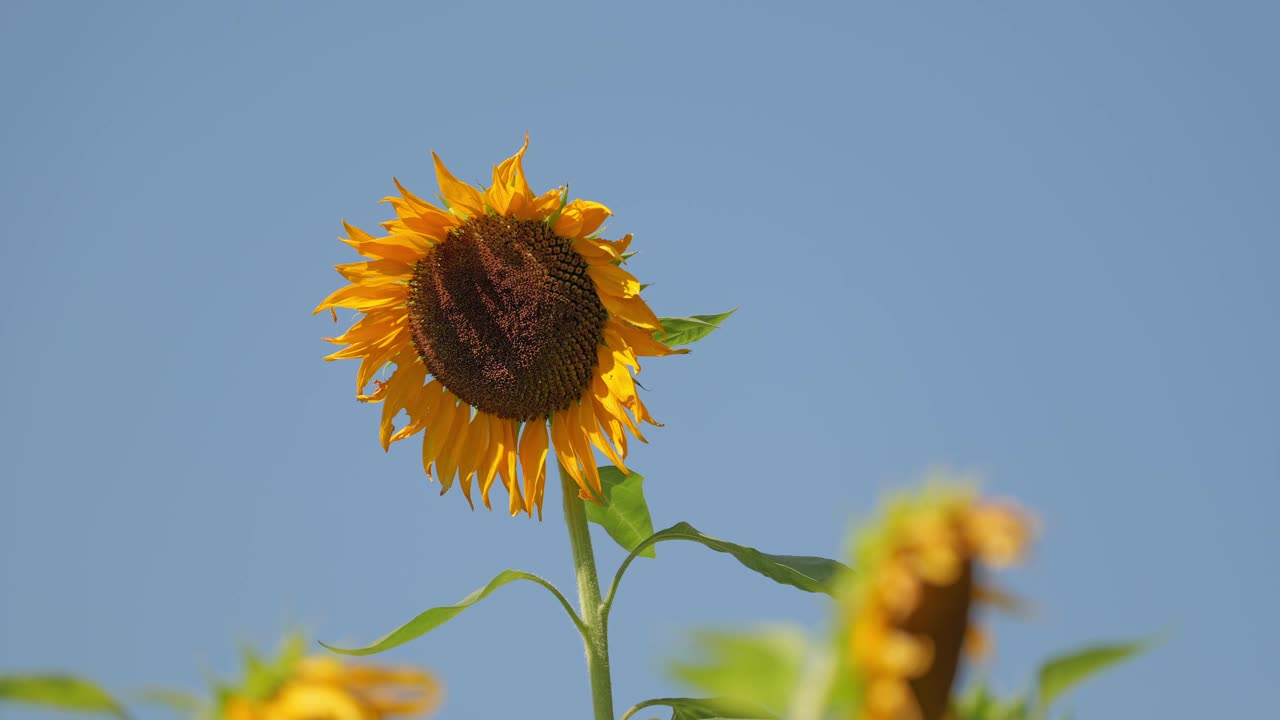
(504, 316)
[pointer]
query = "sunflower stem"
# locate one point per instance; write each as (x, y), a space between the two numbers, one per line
(595, 635)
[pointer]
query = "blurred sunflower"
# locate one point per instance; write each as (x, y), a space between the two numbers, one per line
(503, 313)
(324, 688)
(907, 612)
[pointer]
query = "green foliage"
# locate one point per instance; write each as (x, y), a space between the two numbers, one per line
(809, 573)
(1061, 673)
(264, 675)
(180, 701)
(433, 618)
(678, 331)
(979, 704)
(704, 709)
(625, 515)
(1054, 678)
(61, 692)
(760, 669)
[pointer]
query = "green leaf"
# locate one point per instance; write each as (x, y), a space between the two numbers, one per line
(429, 620)
(625, 515)
(704, 709)
(978, 703)
(181, 701)
(63, 692)
(811, 574)
(685, 330)
(760, 669)
(1060, 674)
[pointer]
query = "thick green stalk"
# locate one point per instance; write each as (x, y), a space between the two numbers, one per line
(596, 633)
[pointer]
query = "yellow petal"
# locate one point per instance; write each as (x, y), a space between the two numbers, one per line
(462, 198)
(375, 271)
(610, 278)
(576, 429)
(597, 432)
(580, 218)
(420, 207)
(510, 194)
(447, 462)
(473, 452)
(640, 341)
(491, 455)
(533, 462)
(564, 446)
(507, 466)
(439, 427)
(545, 204)
(633, 310)
(403, 386)
(364, 297)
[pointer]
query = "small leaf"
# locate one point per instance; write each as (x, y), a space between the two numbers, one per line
(809, 573)
(63, 692)
(685, 330)
(1060, 674)
(758, 670)
(625, 515)
(429, 620)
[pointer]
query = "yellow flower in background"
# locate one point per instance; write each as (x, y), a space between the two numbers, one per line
(323, 688)
(908, 608)
(503, 313)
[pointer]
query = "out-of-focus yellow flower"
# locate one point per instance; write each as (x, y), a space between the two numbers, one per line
(324, 688)
(505, 314)
(907, 610)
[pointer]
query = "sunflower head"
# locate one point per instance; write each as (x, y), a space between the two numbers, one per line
(501, 324)
(324, 688)
(907, 611)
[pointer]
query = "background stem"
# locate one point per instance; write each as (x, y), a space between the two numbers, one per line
(596, 623)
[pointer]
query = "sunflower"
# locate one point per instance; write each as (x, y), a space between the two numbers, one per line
(512, 328)
(908, 609)
(324, 688)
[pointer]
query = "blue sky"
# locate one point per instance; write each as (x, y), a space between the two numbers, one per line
(1035, 241)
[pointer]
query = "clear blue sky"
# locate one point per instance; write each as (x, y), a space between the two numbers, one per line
(1034, 240)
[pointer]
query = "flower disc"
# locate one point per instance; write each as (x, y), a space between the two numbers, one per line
(504, 315)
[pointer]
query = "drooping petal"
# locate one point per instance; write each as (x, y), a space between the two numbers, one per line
(507, 464)
(533, 462)
(563, 447)
(598, 432)
(403, 385)
(439, 428)
(451, 454)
